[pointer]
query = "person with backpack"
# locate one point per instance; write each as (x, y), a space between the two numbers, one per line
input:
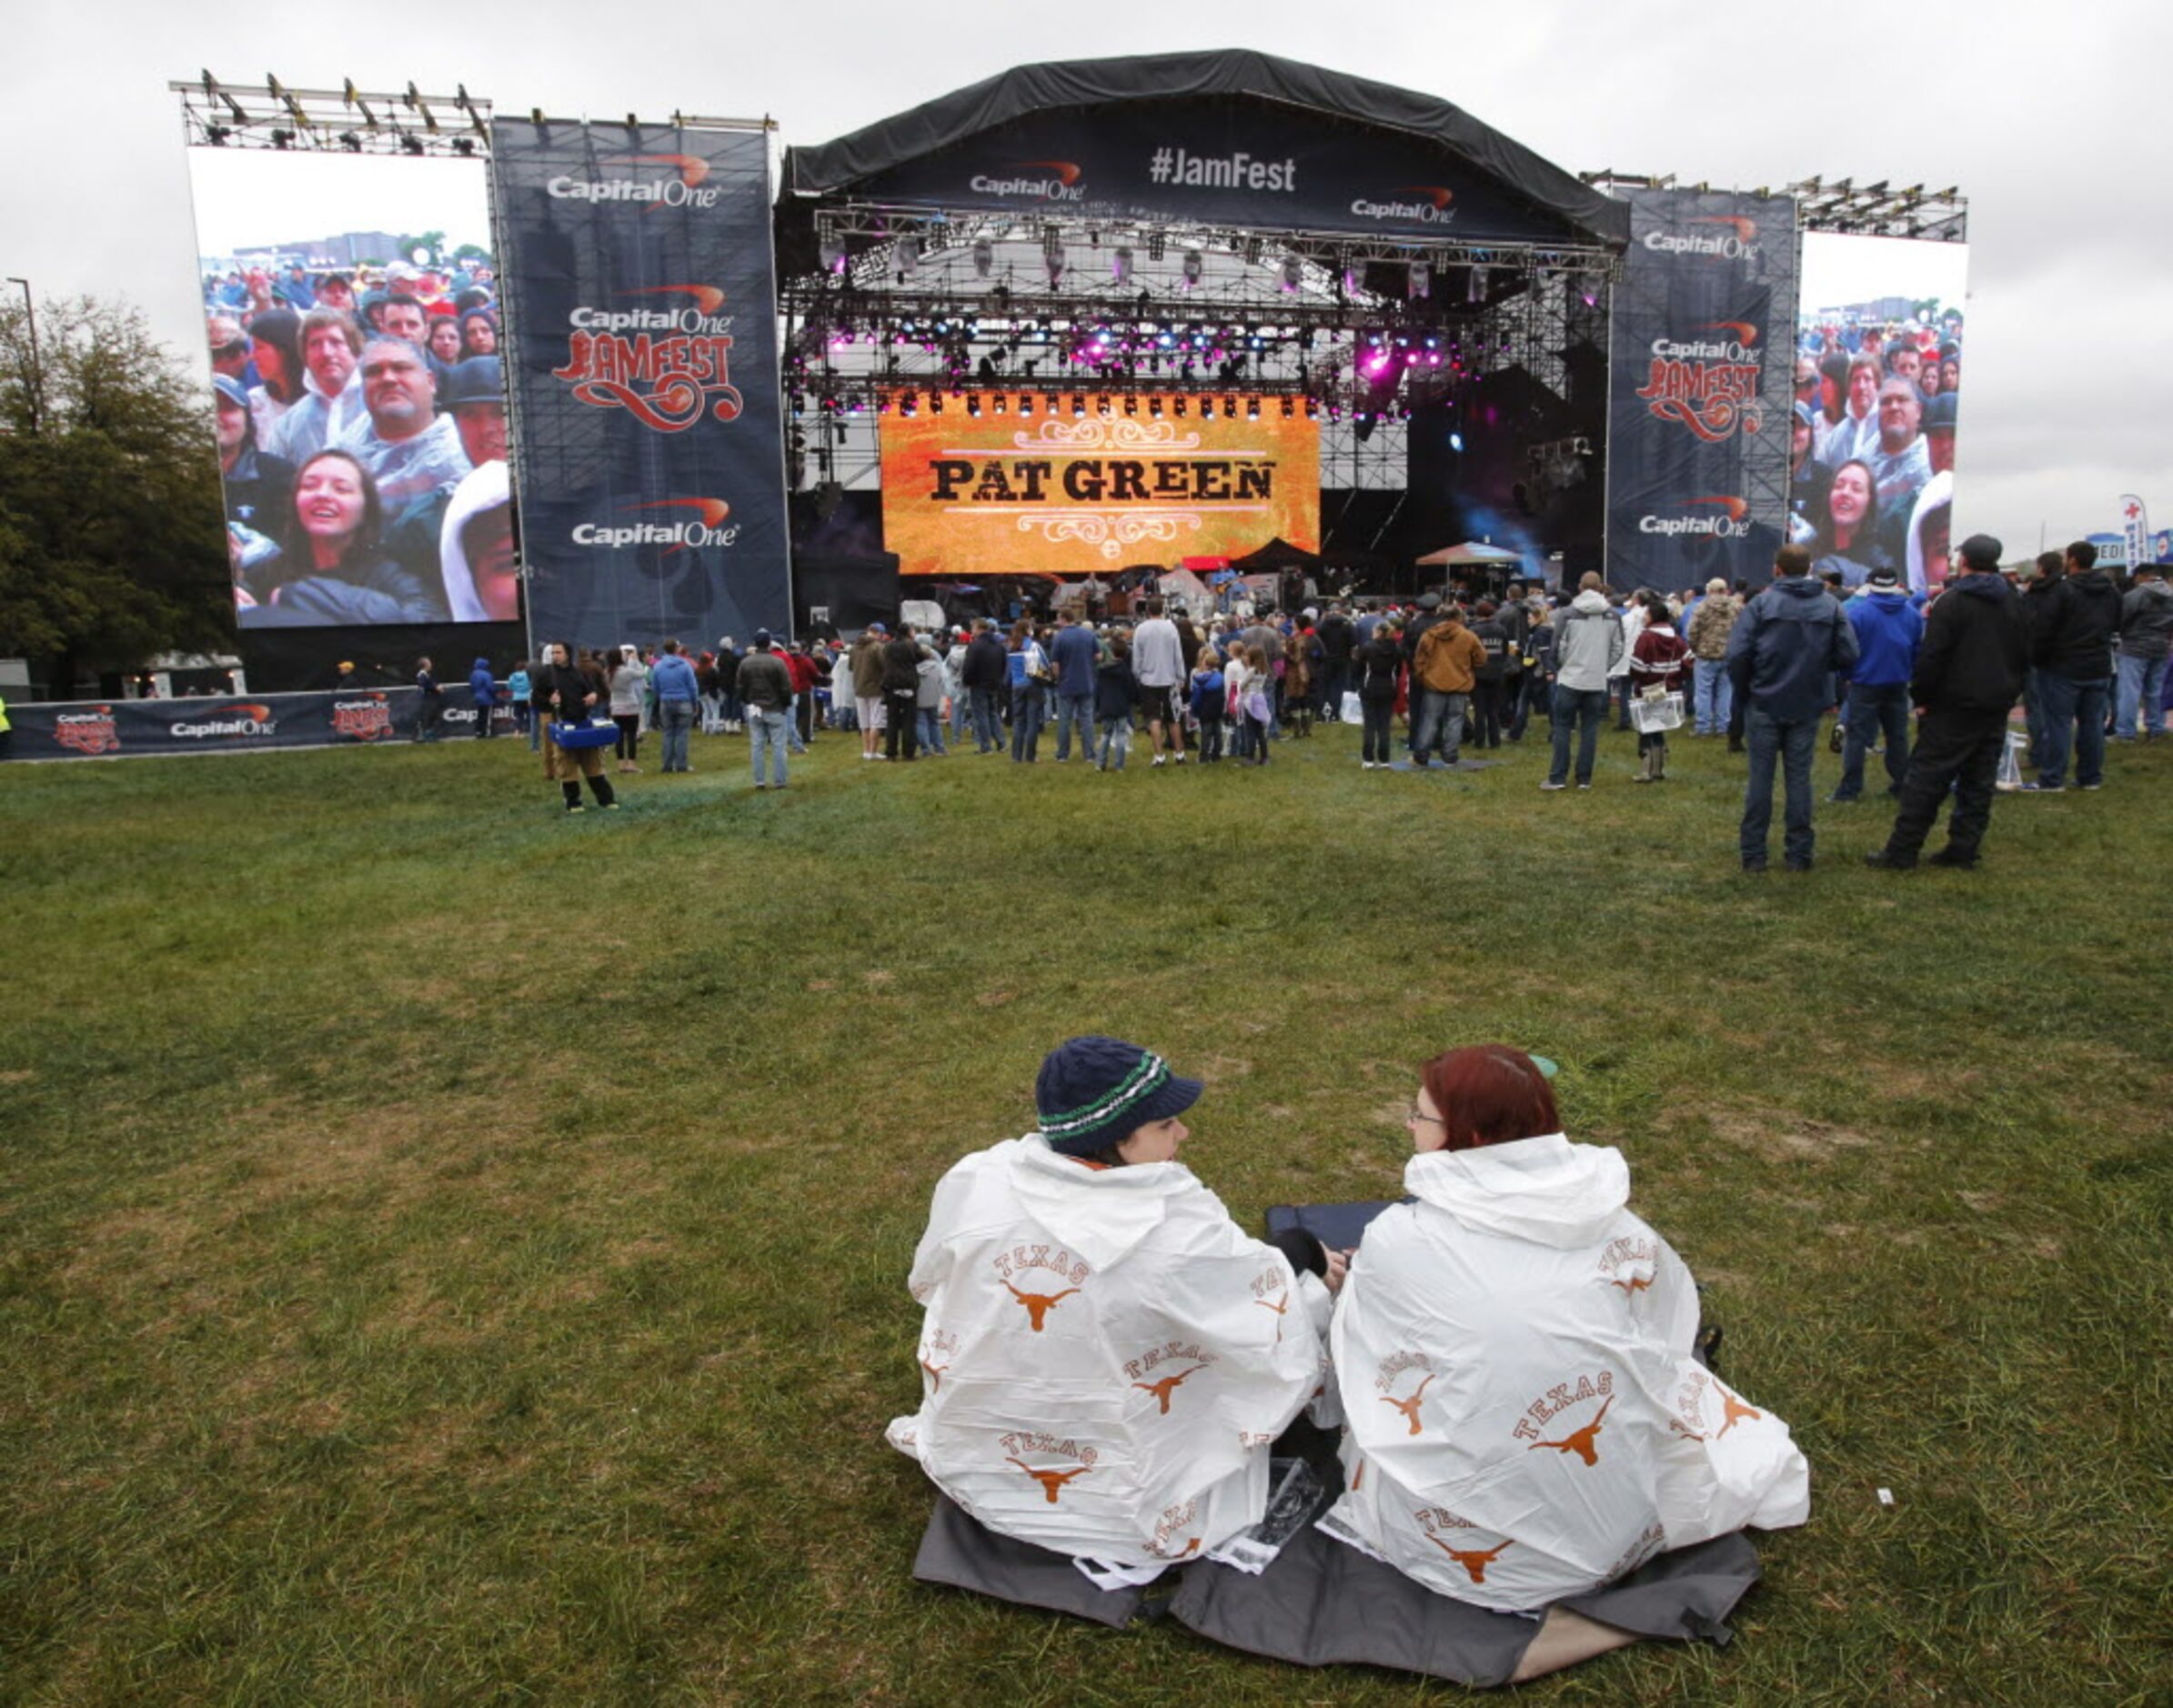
(1115, 689)
(1207, 700)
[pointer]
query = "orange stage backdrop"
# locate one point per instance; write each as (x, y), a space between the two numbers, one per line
(968, 497)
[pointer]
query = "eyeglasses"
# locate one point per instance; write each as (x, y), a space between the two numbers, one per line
(1417, 1117)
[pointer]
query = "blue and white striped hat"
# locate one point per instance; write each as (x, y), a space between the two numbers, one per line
(1093, 1092)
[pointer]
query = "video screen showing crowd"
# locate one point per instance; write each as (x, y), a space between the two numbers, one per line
(361, 428)
(1872, 479)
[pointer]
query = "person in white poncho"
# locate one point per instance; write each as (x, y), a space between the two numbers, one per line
(1526, 1418)
(1105, 1356)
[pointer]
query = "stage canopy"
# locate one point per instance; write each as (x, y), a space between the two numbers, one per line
(1467, 553)
(1158, 134)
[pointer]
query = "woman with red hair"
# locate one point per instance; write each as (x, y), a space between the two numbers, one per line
(1527, 1417)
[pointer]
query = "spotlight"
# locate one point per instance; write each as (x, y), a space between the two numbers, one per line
(1290, 409)
(984, 257)
(1293, 272)
(1456, 441)
(1421, 281)
(465, 147)
(973, 405)
(281, 138)
(1177, 406)
(1120, 266)
(1252, 408)
(1477, 291)
(1154, 408)
(833, 250)
(351, 142)
(1025, 405)
(1131, 405)
(411, 144)
(1000, 404)
(1101, 403)
(1078, 406)
(1312, 408)
(1194, 267)
(935, 403)
(217, 135)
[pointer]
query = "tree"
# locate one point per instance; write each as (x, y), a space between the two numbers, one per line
(112, 547)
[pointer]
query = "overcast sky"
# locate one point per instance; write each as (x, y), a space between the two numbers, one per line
(2046, 118)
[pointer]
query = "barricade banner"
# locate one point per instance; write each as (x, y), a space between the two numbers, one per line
(972, 496)
(1700, 393)
(643, 370)
(240, 723)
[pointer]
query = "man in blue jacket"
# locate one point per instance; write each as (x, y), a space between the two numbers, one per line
(1889, 629)
(679, 696)
(483, 690)
(1075, 652)
(1789, 644)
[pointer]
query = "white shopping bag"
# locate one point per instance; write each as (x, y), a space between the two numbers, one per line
(1353, 710)
(2010, 779)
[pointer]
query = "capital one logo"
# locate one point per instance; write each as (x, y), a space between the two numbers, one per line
(1736, 347)
(1721, 518)
(706, 526)
(696, 313)
(1738, 242)
(1061, 183)
(247, 720)
(1431, 207)
(687, 187)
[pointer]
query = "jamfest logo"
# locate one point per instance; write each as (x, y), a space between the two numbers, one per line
(1729, 520)
(706, 526)
(1714, 399)
(230, 723)
(667, 367)
(1058, 181)
(87, 732)
(368, 719)
(687, 187)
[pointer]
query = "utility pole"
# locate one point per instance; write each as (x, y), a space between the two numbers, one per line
(36, 383)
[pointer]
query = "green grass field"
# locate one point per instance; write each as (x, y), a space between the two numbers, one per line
(450, 1253)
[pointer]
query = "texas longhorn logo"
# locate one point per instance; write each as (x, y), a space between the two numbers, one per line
(1581, 1441)
(1044, 1445)
(1050, 1259)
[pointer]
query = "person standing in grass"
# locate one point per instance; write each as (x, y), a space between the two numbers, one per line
(1969, 672)
(1256, 703)
(483, 690)
(679, 694)
(562, 693)
(430, 707)
(1104, 1355)
(629, 689)
(1114, 692)
(1379, 662)
(1072, 654)
(1588, 644)
(1515, 1350)
(1208, 706)
(1158, 660)
(765, 688)
(1656, 664)
(1784, 655)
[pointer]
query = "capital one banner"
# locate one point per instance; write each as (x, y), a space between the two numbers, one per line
(641, 309)
(1701, 377)
(97, 729)
(967, 495)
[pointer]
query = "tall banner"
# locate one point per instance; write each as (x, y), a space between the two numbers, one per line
(967, 495)
(641, 309)
(2135, 529)
(1699, 389)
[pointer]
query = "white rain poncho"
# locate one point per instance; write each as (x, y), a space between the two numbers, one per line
(1526, 1418)
(1105, 1355)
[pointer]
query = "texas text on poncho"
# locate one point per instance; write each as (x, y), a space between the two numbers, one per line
(1525, 1420)
(1105, 1355)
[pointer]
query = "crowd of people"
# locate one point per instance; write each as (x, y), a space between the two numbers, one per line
(1872, 475)
(360, 420)
(1434, 679)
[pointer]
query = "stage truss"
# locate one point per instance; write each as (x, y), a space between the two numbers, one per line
(916, 310)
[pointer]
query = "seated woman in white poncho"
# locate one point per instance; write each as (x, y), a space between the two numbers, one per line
(1525, 1420)
(1105, 1355)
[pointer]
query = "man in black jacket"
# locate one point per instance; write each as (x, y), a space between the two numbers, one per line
(986, 669)
(901, 693)
(2071, 644)
(1338, 641)
(1969, 672)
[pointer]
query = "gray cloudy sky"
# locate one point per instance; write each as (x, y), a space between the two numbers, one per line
(2044, 117)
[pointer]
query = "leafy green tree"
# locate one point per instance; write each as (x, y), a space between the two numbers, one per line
(112, 545)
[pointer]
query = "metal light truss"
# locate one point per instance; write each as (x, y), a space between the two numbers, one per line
(1871, 210)
(344, 120)
(1878, 210)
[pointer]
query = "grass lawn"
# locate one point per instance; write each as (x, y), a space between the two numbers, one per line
(450, 1253)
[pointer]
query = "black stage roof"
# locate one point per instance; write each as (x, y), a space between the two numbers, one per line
(881, 155)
